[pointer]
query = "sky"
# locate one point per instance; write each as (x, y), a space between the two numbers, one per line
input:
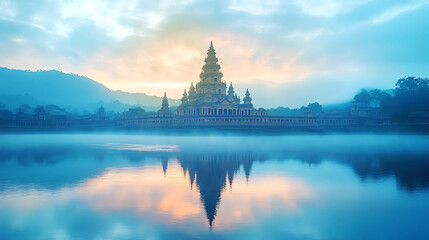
(288, 53)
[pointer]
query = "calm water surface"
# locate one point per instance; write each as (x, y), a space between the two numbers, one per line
(214, 187)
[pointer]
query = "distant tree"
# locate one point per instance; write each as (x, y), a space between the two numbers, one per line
(55, 110)
(362, 97)
(315, 107)
(287, 112)
(413, 93)
(377, 97)
(134, 112)
(25, 108)
(411, 98)
(411, 84)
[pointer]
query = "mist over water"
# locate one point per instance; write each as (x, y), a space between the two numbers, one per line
(122, 186)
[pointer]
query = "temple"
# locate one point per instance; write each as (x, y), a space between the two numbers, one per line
(210, 96)
(212, 102)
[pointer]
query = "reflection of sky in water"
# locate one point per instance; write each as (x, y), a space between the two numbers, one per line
(299, 187)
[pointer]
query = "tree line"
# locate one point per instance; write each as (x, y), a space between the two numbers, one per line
(410, 99)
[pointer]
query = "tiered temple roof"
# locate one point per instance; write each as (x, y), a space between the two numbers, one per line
(210, 95)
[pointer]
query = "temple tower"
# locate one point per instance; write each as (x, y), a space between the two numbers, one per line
(164, 107)
(211, 77)
(211, 69)
(184, 97)
(247, 99)
(192, 93)
(230, 90)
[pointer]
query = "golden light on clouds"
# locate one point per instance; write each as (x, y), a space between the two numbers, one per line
(171, 62)
(166, 65)
(246, 61)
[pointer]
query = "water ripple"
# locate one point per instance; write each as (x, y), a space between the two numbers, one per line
(140, 147)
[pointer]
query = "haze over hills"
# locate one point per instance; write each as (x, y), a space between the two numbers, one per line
(81, 94)
(74, 92)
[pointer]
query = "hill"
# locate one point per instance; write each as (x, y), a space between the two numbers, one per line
(68, 90)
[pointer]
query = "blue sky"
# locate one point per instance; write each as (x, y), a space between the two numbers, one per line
(287, 53)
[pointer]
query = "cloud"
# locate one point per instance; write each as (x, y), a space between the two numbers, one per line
(158, 46)
(393, 12)
(255, 7)
(122, 19)
(307, 35)
(327, 8)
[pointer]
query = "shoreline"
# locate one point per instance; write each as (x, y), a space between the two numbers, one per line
(237, 130)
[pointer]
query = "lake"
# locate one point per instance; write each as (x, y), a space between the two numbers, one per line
(148, 186)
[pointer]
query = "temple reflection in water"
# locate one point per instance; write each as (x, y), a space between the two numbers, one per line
(210, 173)
(112, 172)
